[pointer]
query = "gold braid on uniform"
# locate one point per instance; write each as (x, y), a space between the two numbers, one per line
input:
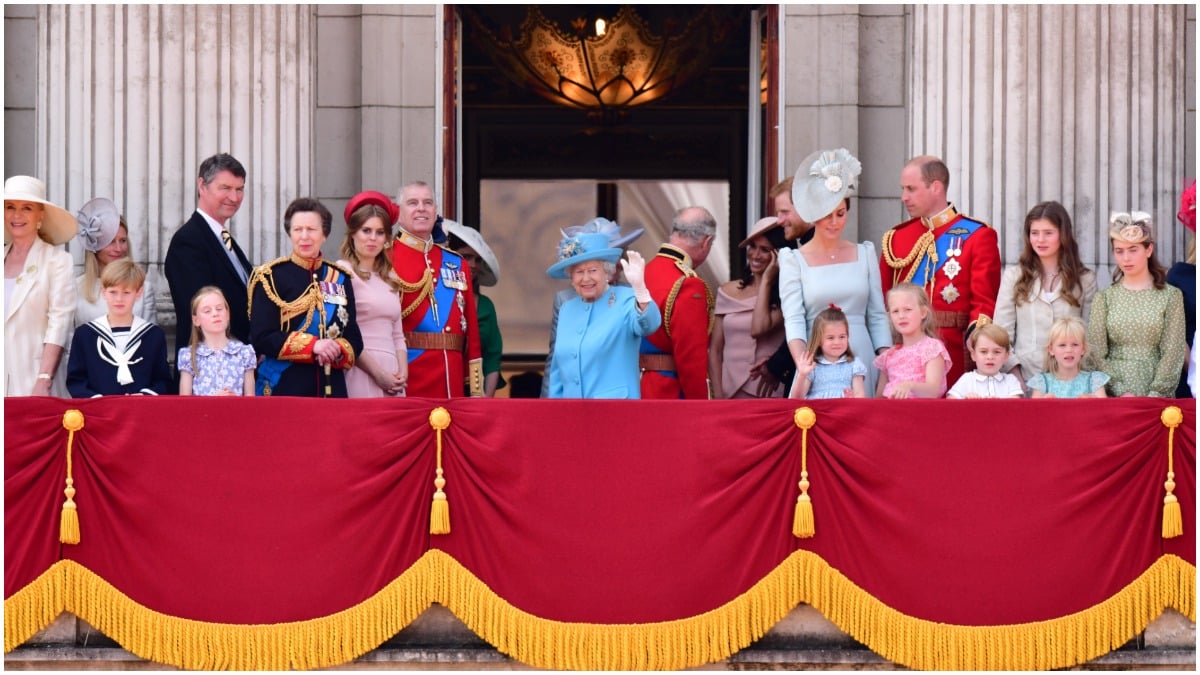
(926, 244)
(424, 285)
(308, 300)
(676, 287)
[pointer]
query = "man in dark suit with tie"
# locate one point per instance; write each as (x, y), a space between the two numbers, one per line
(204, 253)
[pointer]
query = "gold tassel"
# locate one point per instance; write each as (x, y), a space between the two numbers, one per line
(439, 514)
(1172, 525)
(803, 525)
(68, 525)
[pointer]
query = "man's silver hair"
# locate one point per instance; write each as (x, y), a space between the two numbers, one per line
(694, 226)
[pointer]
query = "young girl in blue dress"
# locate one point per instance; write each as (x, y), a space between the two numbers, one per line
(828, 369)
(1066, 357)
(215, 363)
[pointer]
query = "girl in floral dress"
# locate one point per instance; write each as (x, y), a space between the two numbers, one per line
(215, 363)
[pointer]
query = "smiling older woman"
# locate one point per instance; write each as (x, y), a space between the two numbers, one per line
(302, 313)
(596, 345)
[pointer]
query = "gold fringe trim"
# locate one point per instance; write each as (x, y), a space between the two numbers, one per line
(714, 635)
(199, 645)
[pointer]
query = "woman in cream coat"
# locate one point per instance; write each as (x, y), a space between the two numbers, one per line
(1048, 283)
(39, 289)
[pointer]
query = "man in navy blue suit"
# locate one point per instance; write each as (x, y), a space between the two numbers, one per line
(204, 253)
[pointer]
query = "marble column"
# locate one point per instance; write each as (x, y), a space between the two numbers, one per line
(131, 98)
(1082, 104)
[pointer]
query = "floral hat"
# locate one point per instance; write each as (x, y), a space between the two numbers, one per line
(1187, 207)
(99, 220)
(608, 227)
(824, 179)
(1132, 228)
(573, 250)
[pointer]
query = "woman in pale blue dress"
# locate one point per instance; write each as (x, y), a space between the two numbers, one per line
(829, 269)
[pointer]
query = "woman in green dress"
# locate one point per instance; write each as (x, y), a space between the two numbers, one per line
(1137, 324)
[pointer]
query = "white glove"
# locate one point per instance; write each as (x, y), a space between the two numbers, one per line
(635, 273)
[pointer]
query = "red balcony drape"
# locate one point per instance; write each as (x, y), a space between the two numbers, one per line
(295, 533)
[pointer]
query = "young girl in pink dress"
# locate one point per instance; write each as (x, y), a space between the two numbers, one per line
(916, 366)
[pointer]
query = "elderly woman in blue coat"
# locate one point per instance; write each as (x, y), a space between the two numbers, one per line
(596, 345)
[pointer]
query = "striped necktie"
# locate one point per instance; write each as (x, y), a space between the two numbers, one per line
(227, 238)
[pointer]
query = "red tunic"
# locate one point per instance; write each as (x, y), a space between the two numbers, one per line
(686, 304)
(439, 318)
(960, 293)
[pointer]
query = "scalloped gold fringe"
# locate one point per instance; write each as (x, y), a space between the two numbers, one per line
(544, 643)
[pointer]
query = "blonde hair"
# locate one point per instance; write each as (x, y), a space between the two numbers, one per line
(197, 333)
(922, 301)
(1072, 327)
(123, 272)
(992, 332)
(91, 268)
(830, 315)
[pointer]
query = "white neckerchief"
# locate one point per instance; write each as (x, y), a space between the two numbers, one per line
(120, 352)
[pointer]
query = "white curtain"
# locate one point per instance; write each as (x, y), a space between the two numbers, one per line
(652, 205)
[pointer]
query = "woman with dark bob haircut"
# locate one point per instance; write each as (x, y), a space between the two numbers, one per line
(302, 319)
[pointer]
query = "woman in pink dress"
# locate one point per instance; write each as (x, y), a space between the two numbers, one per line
(382, 368)
(749, 322)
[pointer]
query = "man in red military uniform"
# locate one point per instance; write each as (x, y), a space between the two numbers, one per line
(956, 259)
(674, 359)
(437, 303)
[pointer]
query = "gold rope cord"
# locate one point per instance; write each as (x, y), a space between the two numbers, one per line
(803, 577)
(424, 285)
(1172, 525)
(68, 526)
(925, 244)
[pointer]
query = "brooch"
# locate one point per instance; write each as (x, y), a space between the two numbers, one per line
(950, 294)
(612, 299)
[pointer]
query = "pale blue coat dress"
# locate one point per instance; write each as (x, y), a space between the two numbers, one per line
(855, 286)
(596, 346)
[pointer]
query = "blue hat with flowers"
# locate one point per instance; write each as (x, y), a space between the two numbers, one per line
(824, 179)
(582, 247)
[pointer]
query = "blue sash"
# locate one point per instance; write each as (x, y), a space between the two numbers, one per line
(965, 227)
(443, 296)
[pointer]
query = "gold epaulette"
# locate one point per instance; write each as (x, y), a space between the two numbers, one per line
(260, 275)
(344, 270)
(669, 307)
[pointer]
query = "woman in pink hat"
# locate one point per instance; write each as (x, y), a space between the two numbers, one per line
(382, 368)
(39, 289)
(748, 325)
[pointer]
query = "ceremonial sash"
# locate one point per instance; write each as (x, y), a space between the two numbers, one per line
(441, 298)
(964, 228)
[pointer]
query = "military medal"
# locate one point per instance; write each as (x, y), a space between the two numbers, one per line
(951, 268)
(462, 313)
(949, 294)
(343, 316)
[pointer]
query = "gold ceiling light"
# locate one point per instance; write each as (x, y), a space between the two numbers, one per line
(605, 65)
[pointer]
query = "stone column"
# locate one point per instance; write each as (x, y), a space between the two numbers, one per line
(1081, 104)
(843, 86)
(131, 98)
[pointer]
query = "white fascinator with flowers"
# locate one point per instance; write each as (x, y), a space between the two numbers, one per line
(824, 179)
